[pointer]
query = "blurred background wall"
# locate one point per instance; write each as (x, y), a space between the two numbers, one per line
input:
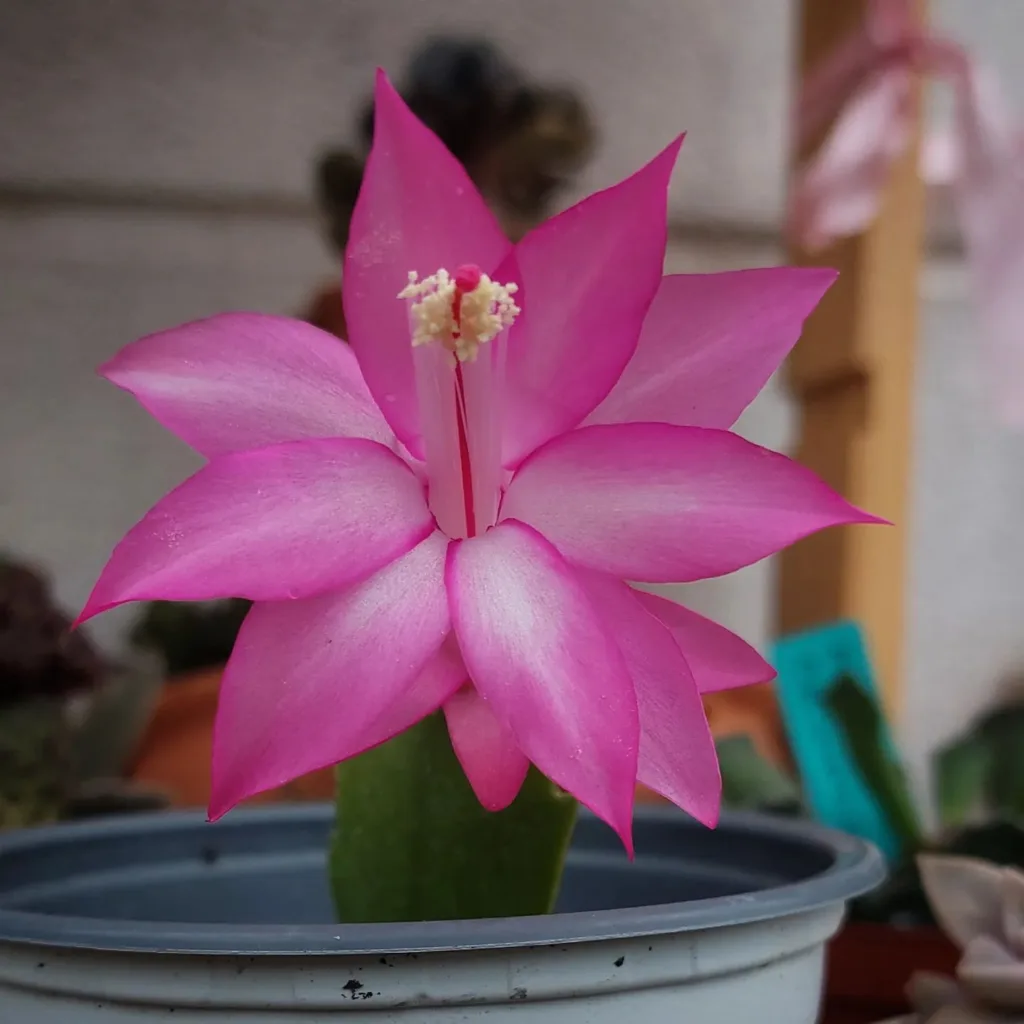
(155, 167)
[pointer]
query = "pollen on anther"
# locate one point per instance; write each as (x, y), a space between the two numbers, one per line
(461, 312)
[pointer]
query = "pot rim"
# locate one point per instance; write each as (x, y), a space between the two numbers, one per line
(857, 867)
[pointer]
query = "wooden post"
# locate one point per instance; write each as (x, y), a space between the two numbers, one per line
(852, 375)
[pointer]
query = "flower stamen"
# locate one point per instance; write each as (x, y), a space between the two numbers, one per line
(461, 312)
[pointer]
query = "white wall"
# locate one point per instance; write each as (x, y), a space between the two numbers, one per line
(237, 94)
(103, 101)
(966, 601)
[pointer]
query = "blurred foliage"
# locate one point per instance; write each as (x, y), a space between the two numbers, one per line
(190, 637)
(980, 775)
(750, 782)
(34, 761)
(979, 781)
(69, 719)
(863, 727)
(40, 655)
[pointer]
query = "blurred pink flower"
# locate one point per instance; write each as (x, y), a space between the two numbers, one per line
(443, 515)
(867, 92)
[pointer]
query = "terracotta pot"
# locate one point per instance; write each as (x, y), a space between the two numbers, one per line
(870, 965)
(175, 751)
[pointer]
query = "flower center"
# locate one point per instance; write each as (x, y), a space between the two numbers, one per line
(461, 312)
(459, 394)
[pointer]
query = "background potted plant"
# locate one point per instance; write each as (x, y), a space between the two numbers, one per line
(69, 720)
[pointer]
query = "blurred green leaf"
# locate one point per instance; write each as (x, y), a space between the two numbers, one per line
(1003, 734)
(190, 636)
(962, 771)
(115, 721)
(863, 728)
(751, 782)
(34, 776)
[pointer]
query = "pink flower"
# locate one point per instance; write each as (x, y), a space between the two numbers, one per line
(449, 524)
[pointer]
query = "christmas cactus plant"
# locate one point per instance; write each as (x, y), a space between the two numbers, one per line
(439, 525)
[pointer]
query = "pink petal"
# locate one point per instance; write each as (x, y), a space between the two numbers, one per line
(283, 522)
(484, 407)
(493, 763)
(709, 344)
(443, 676)
(719, 659)
(677, 754)
(244, 380)
(417, 210)
(309, 685)
(440, 438)
(667, 504)
(543, 659)
(589, 276)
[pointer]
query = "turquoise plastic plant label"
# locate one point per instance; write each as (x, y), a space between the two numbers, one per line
(809, 665)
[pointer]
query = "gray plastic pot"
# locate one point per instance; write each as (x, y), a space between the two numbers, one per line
(136, 919)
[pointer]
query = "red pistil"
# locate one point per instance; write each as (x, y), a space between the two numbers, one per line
(467, 277)
(466, 280)
(467, 469)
